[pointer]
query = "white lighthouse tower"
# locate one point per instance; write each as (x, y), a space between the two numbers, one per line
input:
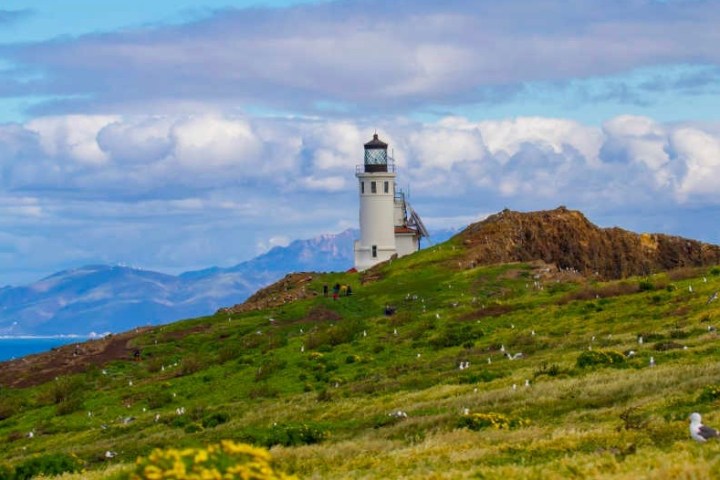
(388, 225)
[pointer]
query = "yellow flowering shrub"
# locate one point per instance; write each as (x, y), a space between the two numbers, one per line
(498, 421)
(224, 461)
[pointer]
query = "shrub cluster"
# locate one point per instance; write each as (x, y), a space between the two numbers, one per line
(498, 421)
(293, 435)
(709, 393)
(44, 465)
(226, 460)
(593, 357)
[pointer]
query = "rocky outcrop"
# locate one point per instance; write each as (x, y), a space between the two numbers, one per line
(568, 240)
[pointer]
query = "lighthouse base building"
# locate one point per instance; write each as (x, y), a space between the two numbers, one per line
(389, 227)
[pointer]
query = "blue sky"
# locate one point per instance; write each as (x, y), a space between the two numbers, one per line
(175, 135)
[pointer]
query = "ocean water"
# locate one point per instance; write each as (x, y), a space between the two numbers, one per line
(19, 347)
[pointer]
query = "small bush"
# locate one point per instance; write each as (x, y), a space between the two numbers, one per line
(158, 398)
(50, 464)
(8, 408)
(454, 335)
(294, 435)
(593, 358)
(662, 346)
(549, 370)
(709, 394)
(224, 460)
(215, 419)
(324, 395)
(482, 376)
(263, 390)
(190, 364)
(646, 286)
(498, 421)
(715, 271)
(192, 428)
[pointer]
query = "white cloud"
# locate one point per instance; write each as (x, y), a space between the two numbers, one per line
(700, 153)
(72, 137)
(209, 189)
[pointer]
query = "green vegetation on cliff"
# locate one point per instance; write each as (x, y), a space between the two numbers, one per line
(342, 389)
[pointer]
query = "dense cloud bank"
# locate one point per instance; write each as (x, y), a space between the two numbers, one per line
(219, 189)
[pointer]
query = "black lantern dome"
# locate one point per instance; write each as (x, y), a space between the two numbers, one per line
(376, 155)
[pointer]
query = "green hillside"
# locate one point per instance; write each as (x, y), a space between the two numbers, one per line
(340, 389)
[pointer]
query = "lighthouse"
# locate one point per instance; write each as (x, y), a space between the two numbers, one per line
(388, 225)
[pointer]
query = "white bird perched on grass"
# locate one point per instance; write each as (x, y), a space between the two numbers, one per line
(527, 382)
(110, 454)
(502, 348)
(640, 340)
(652, 361)
(700, 432)
(489, 360)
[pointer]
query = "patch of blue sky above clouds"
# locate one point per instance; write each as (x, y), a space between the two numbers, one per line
(178, 125)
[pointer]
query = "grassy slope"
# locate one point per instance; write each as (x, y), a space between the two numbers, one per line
(598, 422)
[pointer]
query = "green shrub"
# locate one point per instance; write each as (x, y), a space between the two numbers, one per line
(709, 394)
(192, 428)
(498, 421)
(8, 408)
(481, 376)
(6, 472)
(67, 393)
(291, 435)
(51, 464)
(454, 335)
(646, 286)
(190, 364)
(593, 358)
(215, 419)
(158, 398)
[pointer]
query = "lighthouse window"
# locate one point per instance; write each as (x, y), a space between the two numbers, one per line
(362, 187)
(374, 249)
(387, 187)
(373, 187)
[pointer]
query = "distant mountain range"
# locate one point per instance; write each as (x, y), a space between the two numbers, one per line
(104, 298)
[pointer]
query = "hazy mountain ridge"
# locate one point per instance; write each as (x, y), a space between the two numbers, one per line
(101, 298)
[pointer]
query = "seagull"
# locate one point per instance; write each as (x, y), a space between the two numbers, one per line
(110, 454)
(652, 361)
(700, 432)
(532, 332)
(502, 348)
(712, 298)
(489, 360)
(527, 382)
(640, 340)
(690, 288)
